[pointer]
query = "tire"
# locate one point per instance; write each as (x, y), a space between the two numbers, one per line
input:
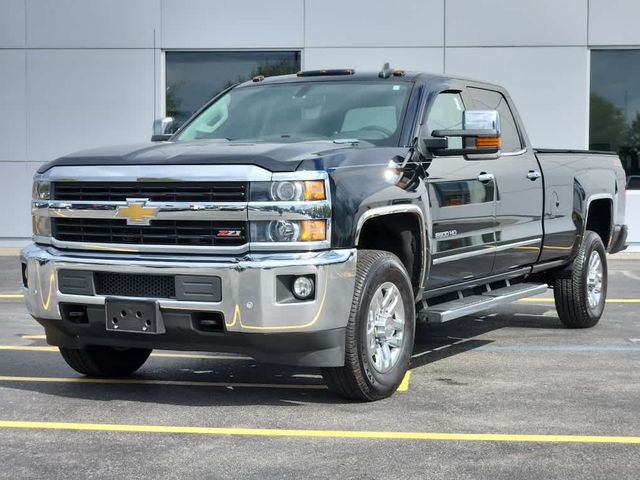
(373, 371)
(580, 296)
(100, 361)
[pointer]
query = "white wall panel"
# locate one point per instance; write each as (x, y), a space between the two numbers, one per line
(13, 105)
(92, 23)
(12, 19)
(516, 22)
(15, 192)
(614, 22)
(232, 24)
(86, 98)
(548, 85)
(426, 59)
(632, 219)
(366, 23)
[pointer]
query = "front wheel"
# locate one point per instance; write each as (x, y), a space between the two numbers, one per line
(580, 297)
(101, 361)
(380, 331)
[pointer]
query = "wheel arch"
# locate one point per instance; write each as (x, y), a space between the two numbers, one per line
(598, 217)
(387, 228)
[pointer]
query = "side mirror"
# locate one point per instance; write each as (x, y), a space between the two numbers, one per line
(480, 134)
(162, 129)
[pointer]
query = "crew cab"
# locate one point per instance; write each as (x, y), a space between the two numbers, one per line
(311, 220)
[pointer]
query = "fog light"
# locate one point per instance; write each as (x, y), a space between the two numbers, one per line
(303, 288)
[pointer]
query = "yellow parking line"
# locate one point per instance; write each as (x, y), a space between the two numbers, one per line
(404, 386)
(351, 434)
(33, 337)
(11, 295)
(180, 383)
(41, 348)
(550, 299)
(29, 348)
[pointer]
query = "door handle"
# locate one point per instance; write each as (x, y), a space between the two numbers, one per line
(533, 175)
(485, 177)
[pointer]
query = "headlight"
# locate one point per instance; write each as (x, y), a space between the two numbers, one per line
(41, 225)
(288, 191)
(289, 231)
(41, 190)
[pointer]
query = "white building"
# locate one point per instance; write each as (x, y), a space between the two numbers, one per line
(82, 73)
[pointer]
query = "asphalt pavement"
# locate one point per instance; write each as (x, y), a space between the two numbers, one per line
(506, 395)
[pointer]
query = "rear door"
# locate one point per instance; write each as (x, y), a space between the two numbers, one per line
(461, 195)
(519, 188)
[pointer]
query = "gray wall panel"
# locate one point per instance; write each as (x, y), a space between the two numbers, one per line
(516, 22)
(366, 23)
(614, 22)
(429, 59)
(12, 23)
(92, 23)
(13, 105)
(232, 24)
(86, 98)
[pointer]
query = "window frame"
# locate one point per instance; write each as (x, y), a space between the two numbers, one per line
(516, 119)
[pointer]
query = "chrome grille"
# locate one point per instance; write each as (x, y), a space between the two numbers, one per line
(153, 191)
(159, 232)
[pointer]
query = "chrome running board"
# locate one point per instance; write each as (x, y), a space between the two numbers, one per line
(463, 306)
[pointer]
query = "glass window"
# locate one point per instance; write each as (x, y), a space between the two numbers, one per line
(491, 100)
(305, 110)
(193, 78)
(614, 121)
(447, 114)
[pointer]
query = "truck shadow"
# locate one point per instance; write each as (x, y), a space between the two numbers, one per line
(244, 382)
(436, 342)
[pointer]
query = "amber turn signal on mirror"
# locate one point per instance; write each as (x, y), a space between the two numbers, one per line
(494, 142)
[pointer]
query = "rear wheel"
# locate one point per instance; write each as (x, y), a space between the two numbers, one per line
(580, 297)
(380, 331)
(101, 361)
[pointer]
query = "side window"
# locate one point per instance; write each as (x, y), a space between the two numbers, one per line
(490, 100)
(447, 114)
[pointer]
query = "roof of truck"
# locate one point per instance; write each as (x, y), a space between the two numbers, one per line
(349, 74)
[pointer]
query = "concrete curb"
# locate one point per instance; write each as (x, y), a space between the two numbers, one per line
(625, 256)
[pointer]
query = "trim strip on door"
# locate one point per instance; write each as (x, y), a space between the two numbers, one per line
(499, 248)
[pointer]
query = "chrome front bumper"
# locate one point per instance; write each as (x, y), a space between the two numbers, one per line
(248, 286)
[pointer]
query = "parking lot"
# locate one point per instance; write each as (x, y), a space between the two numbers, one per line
(509, 395)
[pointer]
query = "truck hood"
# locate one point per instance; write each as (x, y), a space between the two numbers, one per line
(276, 157)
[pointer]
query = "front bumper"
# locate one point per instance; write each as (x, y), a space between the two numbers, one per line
(307, 333)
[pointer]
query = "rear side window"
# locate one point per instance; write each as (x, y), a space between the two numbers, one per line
(491, 100)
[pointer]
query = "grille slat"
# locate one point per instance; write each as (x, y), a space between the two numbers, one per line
(159, 232)
(135, 285)
(155, 191)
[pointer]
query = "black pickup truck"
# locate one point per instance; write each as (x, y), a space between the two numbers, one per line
(311, 220)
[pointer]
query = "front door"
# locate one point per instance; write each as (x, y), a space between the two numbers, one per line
(462, 199)
(519, 189)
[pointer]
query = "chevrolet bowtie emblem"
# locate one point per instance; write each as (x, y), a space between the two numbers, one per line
(136, 213)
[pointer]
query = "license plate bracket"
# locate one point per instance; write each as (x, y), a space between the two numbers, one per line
(133, 316)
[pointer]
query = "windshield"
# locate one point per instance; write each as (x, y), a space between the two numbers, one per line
(369, 111)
